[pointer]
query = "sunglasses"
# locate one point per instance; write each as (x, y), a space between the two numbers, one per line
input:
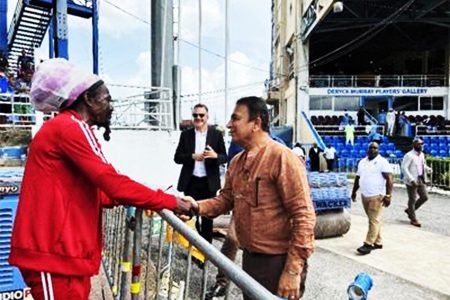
(198, 115)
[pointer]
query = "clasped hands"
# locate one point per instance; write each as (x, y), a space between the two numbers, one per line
(186, 208)
(207, 153)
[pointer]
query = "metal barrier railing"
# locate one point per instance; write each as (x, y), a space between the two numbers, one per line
(439, 177)
(440, 174)
(432, 130)
(152, 110)
(134, 258)
(16, 111)
(339, 129)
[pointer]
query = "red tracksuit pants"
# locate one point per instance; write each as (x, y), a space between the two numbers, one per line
(50, 286)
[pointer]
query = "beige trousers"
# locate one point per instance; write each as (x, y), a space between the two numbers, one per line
(373, 207)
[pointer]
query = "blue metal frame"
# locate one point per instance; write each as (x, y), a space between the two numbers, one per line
(95, 36)
(72, 8)
(3, 27)
(60, 33)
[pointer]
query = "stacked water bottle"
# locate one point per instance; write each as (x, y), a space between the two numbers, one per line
(14, 154)
(329, 190)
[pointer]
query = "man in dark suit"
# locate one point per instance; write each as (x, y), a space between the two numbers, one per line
(201, 151)
(314, 158)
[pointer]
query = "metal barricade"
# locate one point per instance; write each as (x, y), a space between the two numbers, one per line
(440, 172)
(151, 257)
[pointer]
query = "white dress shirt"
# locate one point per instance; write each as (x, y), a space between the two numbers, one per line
(200, 145)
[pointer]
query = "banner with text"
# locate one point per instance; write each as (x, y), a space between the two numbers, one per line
(397, 91)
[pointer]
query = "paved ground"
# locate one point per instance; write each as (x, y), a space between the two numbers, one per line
(414, 263)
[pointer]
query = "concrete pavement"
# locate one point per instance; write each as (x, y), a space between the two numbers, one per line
(410, 253)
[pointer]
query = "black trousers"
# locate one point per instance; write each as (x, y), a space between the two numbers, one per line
(199, 190)
(267, 269)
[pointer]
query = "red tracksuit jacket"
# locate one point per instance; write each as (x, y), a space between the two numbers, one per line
(67, 180)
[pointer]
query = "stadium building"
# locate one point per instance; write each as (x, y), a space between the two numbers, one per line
(330, 56)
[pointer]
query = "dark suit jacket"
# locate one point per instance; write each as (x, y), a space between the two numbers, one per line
(183, 155)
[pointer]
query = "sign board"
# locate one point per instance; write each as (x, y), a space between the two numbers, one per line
(309, 20)
(393, 91)
(313, 14)
(20, 294)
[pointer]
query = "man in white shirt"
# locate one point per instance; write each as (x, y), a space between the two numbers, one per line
(374, 178)
(390, 120)
(330, 155)
(414, 169)
(299, 151)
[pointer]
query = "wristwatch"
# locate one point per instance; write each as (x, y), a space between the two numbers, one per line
(388, 196)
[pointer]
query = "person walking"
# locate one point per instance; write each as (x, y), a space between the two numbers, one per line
(57, 235)
(374, 179)
(414, 169)
(314, 158)
(201, 151)
(267, 189)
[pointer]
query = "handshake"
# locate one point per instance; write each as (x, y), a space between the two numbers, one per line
(186, 208)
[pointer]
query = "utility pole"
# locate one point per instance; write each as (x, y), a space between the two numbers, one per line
(226, 61)
(199, 51)
(161, 50)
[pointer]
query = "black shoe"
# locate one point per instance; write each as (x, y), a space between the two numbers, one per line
(216, 290)
(364, 249)
(377, 246)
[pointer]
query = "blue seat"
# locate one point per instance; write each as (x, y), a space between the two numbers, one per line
(442, 139)
(433, 152)
(362, 153)
(434, 147)
(442, 153)
(353, 153)
(398, 153)
(382, 152)
(391, 146)
(344, 153)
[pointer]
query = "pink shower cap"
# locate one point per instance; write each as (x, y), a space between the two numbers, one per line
(57, 84)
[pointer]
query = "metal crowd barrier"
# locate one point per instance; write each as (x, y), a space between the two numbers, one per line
(16, 111)
(146, 110)
(440, 174)
(150, 257)
(333, 130)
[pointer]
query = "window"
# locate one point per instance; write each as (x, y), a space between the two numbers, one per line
(346, 102)
(320, 103)
(431, 103)
(410, 103)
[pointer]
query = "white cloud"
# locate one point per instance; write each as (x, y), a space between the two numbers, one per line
(212, 18)
(242, 81)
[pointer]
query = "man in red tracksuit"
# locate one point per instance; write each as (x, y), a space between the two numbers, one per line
(57, 235)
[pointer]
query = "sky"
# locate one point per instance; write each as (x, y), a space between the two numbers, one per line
(125, 49)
